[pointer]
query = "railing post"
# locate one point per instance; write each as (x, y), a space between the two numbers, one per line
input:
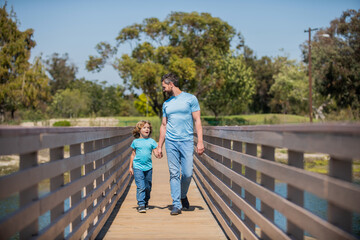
(251, 149)
(28, 195)
(237, 167)
(341, 169)
(268, 182)
(74, 175)
(89, 147)
(295, 195)
(56, 183)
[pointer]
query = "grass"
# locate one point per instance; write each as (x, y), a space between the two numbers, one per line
(254, 119)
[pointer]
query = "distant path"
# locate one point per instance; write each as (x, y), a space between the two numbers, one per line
(157, 223)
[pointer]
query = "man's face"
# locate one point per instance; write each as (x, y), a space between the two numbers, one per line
(167, 88)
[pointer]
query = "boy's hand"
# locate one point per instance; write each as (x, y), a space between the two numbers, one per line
(131, 171)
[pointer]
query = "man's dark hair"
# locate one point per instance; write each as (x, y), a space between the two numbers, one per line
(171, 77)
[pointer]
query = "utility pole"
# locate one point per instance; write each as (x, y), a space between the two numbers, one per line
(310, 80)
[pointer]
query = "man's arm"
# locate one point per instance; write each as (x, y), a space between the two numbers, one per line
(200, 143)
(162, 136)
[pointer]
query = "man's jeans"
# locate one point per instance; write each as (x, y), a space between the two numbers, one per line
(180, 158)
(143, 183)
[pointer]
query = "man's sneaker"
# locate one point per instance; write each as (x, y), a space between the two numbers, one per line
(142, 209)
(146, 206)
(185, 203)
(175, 211)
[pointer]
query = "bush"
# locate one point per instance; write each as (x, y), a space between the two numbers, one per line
(62, 124)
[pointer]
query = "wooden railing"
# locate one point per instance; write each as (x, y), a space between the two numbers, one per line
(83, 186)
(238, 172)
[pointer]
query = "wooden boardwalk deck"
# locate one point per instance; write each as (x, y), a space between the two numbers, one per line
(157, 223)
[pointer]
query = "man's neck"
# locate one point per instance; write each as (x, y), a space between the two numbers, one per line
(176, 91)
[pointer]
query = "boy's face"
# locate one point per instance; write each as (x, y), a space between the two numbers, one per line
(145, 130)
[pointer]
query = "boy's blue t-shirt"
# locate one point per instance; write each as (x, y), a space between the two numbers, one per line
(178, 111)
(143, 148)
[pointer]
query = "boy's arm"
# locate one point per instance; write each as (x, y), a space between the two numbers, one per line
(162, 136)
(131, 170)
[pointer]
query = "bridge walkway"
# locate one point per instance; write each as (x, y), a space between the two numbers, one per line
(157, 223)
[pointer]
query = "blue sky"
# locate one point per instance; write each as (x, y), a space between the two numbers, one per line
(76, 26)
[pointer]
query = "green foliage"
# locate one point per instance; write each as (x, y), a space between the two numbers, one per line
(253, 119)
(61, 71)
(290, 89)
(15, 49)
(234, 88)
(142, 106)
(224, 121)
(63, 123)
(336, 63)
(191, 45)
(70, 103)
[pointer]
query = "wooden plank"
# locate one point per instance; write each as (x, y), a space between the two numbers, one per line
(337, 215)
(157, 223)
(21, 218)
(75, 174)
(342, 193)
(212, 206)
(301, 217)
(30, 143)
(294, 194)
(249, 210)
(56, 154)
(29, 194)
(343, 145)
(267, 153)
(78, 208)
(25, 178)
(250, 173)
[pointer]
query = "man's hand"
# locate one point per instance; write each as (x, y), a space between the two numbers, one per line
(158, 152)
(131, 170)
(200, 148)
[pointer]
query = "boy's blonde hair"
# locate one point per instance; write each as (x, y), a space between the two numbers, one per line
(139, 126)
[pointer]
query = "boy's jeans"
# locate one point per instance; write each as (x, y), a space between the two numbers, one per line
(143, 183)
(180, 158)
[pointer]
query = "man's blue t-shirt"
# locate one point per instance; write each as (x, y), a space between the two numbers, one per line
(143, 148)
(178, 111)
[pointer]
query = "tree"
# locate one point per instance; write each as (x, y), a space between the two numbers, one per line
(15, 47)
(189, 44)
(35, 86)
(336, 62)
(142, 106)
(61, 71)
(70, 103)
(234, 89)
(290, 89)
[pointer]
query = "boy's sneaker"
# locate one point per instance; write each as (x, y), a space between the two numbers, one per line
(142, 209)
(175, 211)
(185, 203)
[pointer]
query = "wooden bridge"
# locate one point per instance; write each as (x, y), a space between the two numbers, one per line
(89, 193)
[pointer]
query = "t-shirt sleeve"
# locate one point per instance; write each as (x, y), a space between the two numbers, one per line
(154, 144)
(163, 110)
(194, 104)
(133, 144)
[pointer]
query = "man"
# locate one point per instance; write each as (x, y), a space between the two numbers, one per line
(180, 112)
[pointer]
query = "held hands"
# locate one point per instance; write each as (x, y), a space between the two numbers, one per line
(158, 152)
